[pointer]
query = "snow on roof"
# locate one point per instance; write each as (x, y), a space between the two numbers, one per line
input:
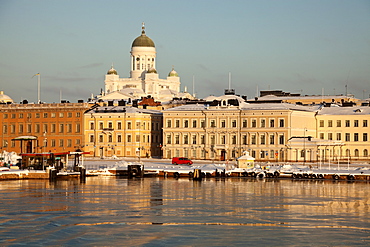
(355, 110)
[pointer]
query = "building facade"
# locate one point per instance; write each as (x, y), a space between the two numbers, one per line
(349, 125)
(223, 131)
(35, 128)
(122, 131)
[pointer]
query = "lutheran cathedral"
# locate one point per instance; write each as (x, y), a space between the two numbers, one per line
(144, 79)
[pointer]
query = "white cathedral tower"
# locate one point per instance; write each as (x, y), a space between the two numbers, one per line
(144, 79)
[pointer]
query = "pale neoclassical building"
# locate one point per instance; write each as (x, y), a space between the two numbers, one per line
(144, 79)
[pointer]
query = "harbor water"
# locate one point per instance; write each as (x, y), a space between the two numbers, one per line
(115, 211)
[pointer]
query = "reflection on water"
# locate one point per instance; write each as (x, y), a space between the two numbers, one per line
(156, 211)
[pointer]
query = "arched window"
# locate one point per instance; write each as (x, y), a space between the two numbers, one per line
(366, 153)
(347, 153)
(357, 153)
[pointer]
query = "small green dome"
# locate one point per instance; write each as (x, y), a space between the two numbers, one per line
(112, 71)
(173, 73)
(152, 70)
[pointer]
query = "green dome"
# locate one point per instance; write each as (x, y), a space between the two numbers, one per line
(112, 71)
(143, 41)
(173, 73)
(152, 70)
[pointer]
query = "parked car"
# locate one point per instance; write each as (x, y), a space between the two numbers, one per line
(181, 161)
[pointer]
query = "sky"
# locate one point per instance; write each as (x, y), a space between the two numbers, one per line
(299, 46)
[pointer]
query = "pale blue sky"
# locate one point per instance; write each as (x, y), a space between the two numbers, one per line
(296, 46)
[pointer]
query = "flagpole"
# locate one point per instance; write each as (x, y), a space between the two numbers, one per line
(38, 89)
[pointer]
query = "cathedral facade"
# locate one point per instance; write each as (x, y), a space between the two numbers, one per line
(144, 79)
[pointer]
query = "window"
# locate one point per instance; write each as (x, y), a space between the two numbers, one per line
(29, 128)
(69, 128)
(168, 123)
(129, 125)
(61, 114)
(69, 114)
(45, 128)
(177, 139)
(20, 128)
(53, 128)
(202, 139)
(168, 139)
(348, 123)
(6, 115)
(281, 139)
(213, 123)
(53, 143)
(355, 137)
(321, 123)
(61, 128)
(233, 139)
(78, 128)
(194, 139)
(110, 125)
(20, 115)
(13, 115)
(37, 128)
(194, 123)
(5, 129)
(202, 124)
(339, 136)
(12, 128)
(69, 143)
(263, 141)
(253, 139)
(339, 123)
(364, 137)
(212, 140)
(61, 143)
(321, 136)
(129, 138)
(101, 125)
(110, 138)
(53, 114)
(245, 123)
(78, 114)
(281, 123)
(29, 115)
(45, 115)
(244, 139)
(177, 123)
(91, 137)
(355, 123)
(233, 123)
(254, 123)
(364, 123)
(186, 124)
(101, 138)
(223, 139)
(91, 125)
(137, 138)
(37, 115)
(330, 123)
(366, 153)
(223, 124)
(348, 137)
(272, 139)
(186, 139)
(119, 138)
(272, 123)
(263, 123)
(330, 136)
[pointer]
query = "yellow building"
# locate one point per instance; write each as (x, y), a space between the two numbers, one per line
(349, 125)
(224, 128)
(120, 130)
